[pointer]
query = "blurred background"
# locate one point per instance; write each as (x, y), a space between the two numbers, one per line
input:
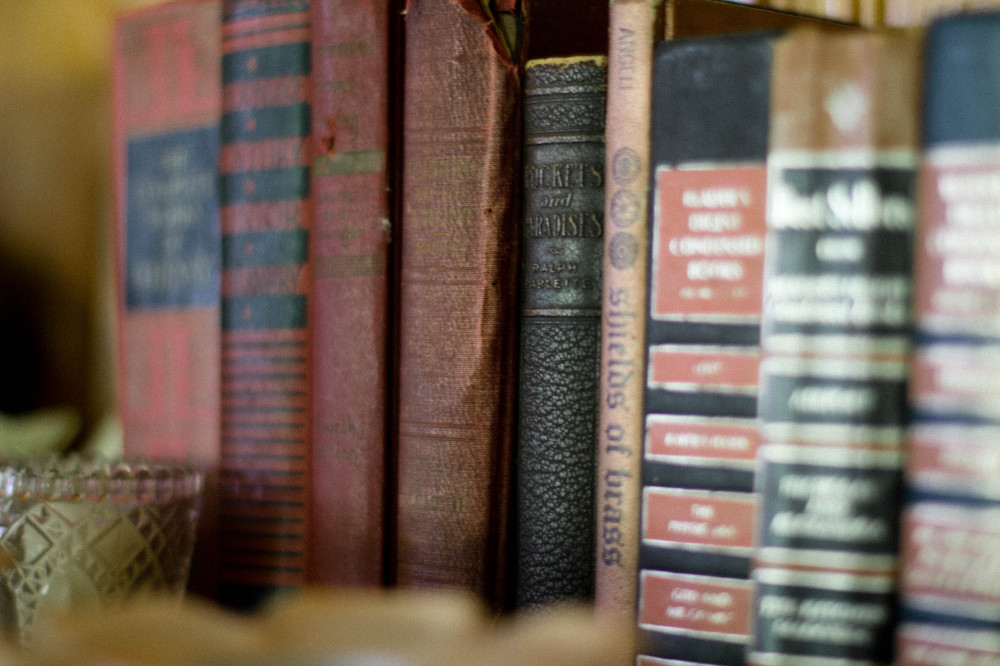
(56, 302)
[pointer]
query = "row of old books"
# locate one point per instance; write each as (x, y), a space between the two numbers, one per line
(317, 216)
(818, 455)
(239, 232)
(389, 285)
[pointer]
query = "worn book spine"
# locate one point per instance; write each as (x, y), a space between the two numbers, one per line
(266, 285)
(950, 602)
(349, 259)
(835, 338)
(561, 255)
(623, 297)
(166, 103)
(708, 148)
(457, 301)
(635, 25)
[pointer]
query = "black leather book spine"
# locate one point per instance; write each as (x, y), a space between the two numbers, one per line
(708, 149)
(562, 245)
(266, 379)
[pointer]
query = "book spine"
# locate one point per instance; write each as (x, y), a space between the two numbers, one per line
(349, 259)
(949, 600)
(623, 297)
(458, 306)
(561, 255)
(167, 102)
(266, 285)
(835, 336)
(708, 148)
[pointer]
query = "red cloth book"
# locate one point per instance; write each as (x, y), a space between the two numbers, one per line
(165, 141)
(349, 255)
(457, 299)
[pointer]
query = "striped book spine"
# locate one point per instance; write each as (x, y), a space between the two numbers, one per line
(265, 158)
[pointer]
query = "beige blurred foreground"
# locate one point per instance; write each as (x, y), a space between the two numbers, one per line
(332, 628)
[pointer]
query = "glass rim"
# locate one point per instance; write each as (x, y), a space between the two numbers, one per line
(75, 477)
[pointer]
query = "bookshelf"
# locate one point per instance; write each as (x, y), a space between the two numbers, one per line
(56, 283)
(56, 275)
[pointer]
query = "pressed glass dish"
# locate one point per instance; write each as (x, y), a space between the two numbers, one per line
(75, 531)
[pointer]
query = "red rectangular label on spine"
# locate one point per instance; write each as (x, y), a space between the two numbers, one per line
(949, 559)
(700, 606)
(715, 440)
(708, 244)
(710, 520)
(696, 368)
(167, 79)
(958, 246)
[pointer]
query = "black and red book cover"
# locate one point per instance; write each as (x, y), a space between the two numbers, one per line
(708, 150)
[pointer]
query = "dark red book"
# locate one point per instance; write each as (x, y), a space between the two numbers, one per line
(457, 299)
(166, 105)
(349, 256)
(266, 284)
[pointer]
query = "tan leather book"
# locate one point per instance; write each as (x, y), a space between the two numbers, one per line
(619, 432)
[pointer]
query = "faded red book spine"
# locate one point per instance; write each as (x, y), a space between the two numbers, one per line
(266, 285)
(166, 105)
(349, 256)
(457, 299)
